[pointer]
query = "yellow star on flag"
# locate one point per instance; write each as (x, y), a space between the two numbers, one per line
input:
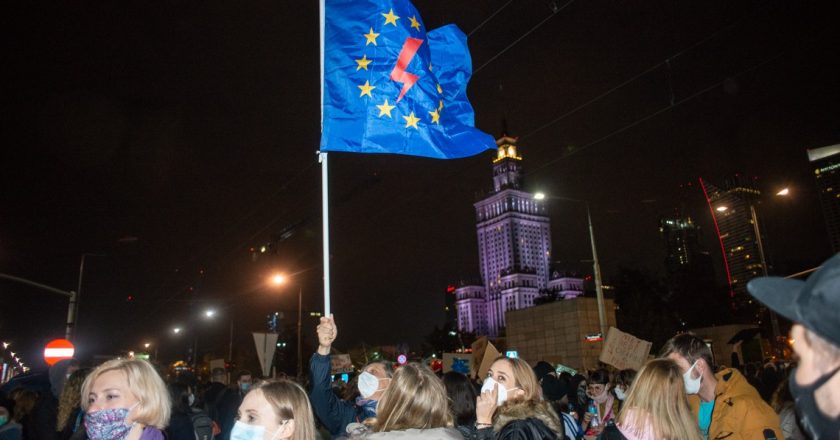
(430, 67)
(363, 63)
(366, 89)
(439, 88)
(385, 109)
(371, 37)
(440, 106)
(435, 117)
(391, 18)
(411, 121)
(414, 23)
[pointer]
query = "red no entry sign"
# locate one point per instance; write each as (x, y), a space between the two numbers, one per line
(58, 349)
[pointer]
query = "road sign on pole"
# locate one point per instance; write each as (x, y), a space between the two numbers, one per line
(58, 350)
(266, 345)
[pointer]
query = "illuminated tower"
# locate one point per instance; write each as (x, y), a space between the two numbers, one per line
(826, 162)
(514, 240)
(733, 213)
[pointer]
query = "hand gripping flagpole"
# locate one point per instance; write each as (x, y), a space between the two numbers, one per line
(322, 157)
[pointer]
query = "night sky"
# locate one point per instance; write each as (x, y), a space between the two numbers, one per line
(173, 137)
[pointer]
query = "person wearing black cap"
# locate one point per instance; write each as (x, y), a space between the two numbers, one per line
(814, 307)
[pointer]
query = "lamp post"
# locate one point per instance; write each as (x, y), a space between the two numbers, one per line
(596, 265)
(71, 308)
(279, 280)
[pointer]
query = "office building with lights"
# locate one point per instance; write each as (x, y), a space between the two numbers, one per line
(733, 213)
(514, 251)
(826, 163)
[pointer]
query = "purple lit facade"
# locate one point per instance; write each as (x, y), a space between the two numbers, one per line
(514, 250)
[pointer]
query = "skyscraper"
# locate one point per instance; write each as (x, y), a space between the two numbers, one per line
(826, 162)
(733, 213)
(514, 249)
(680, 237)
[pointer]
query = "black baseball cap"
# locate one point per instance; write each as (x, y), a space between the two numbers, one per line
(813, 303)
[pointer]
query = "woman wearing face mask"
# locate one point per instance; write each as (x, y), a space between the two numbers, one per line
(603, 407)
(275, 410)
(511, 394)
(413, 407)
(125, 399)
(656, 407)
(621, 385)
(9, 429)
(181, 423)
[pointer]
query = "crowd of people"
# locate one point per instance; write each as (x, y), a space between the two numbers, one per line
(679, 395)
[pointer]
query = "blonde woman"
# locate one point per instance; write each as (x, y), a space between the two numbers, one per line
(275, 410)
(415, 406)
(656, 407)
(511, 402)
(125, 399)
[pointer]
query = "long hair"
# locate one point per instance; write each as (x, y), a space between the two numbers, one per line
(416, 398)
(289, 402)
(71, 397)
(144, 382)
(657, 402)
(525, 379)
(24, 403)
(462, 396)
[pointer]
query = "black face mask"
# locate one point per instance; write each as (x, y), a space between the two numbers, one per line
(815, 423)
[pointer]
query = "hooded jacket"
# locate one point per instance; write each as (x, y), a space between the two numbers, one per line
(739, 412)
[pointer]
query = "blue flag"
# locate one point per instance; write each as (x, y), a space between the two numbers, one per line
(392, 87)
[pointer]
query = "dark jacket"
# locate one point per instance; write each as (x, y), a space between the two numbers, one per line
(43, 418)
(335, 414)
(180, 427)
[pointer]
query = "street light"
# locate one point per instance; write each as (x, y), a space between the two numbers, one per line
(176, 330)
(783, 192)
(596, 265)
(280, 279)
(209, 313)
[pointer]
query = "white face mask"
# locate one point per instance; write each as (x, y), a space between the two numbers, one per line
(243, 431)
(368, 384)
(619, 393)
(191, 399)
(502, 395)
(692, 386)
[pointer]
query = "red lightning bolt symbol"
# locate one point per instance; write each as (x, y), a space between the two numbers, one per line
(399, 74)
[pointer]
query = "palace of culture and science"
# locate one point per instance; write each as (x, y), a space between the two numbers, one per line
(514, 252)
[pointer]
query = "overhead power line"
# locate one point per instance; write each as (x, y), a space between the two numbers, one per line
(656, 113)
(554, 12)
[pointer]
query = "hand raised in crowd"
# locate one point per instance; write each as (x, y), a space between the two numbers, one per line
(587, 417)
(485, 406)
(327, 332)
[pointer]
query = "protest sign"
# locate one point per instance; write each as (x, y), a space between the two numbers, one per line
(458, 362)
(484, 353)
(623, 350)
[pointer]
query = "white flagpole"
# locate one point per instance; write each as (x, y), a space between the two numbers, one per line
(322, 157)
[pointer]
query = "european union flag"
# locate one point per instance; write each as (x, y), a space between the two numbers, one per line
(392, 87)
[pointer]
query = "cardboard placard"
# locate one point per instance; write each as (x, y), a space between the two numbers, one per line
(458, 362)
(484, 353)
(341, 363)
(623, 350)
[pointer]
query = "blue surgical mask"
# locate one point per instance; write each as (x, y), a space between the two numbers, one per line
(244, 431)
(245, 387)
(368, 384)
(4, 419)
